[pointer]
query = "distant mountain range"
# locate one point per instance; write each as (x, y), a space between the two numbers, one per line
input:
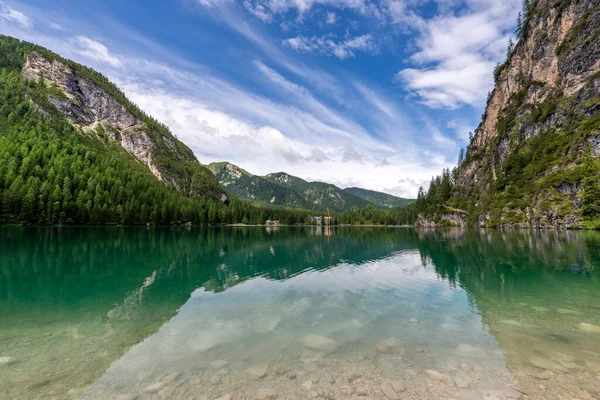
(286, 190)
(379, 199)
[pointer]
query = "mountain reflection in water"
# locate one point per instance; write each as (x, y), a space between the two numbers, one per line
(298, 312)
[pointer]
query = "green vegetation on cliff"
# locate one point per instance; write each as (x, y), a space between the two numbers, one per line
(533, 161)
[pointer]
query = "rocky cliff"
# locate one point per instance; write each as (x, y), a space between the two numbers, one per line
(89, 106)
(529, 158)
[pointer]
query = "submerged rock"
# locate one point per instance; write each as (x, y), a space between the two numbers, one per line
(6, 360)
(588, 328)
(398, 386)
(468, 351)
(258, 371)
(440, 377)
(128, 396)
(154, 388)
(389, 346)
(561, 357)
(307, 385)
(265, 394)
(544, 375)
(510, 322)
(321, 343)
(171, 377)
(361, 391)
(388, 391)
(353, 376)
(566, 311)
(218, 364)
(545, 364)
(463, 381)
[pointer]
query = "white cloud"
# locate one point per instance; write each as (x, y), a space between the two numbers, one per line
(461, 128)
(55, 26)
(326, 45)
(213, 3)
(222, 122)
(10, 14)
(457, 52)
(275, 7)
(330, 18)
(95, 51)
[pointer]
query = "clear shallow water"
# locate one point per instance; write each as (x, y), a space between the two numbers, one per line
(298, 313)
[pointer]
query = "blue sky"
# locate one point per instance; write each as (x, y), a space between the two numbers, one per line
(377, 94)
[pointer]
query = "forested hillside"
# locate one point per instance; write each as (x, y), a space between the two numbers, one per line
(53, 170)
(319, 195)
(381, 200)
(74, 150)
(533, 160)
(286, 190)
(256, 188)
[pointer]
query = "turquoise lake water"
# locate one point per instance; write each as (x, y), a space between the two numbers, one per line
(296, 313)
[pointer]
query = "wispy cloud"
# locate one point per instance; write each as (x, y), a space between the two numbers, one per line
(10, 14)
(280, 110)
(457, 51)
(330, 18)
(327, 45)
(95, 50)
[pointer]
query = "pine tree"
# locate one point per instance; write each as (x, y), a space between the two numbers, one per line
(590, 207)
(519, 30)
(510, 48)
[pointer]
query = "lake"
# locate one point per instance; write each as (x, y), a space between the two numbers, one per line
(297, 313)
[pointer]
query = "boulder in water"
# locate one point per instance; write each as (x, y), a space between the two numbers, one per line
(320, 343)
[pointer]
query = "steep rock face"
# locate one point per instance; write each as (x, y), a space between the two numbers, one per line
(525, 163)
(96, 106)
(450, 219)
(89, 106)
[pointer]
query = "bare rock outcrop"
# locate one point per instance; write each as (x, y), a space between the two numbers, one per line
(547, 91)
(89, 106)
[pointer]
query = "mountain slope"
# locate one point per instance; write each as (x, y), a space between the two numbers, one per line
(285, 190)
(533, 161)
(74, 150)
(255, 188)
(381, 200)
(319, 195)
(96, 106)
